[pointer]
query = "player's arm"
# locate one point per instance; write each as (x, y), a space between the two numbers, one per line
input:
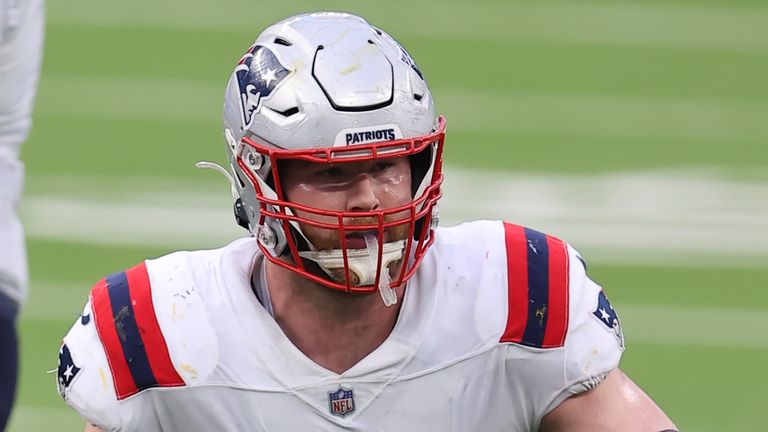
(91, 428)
(617, 403)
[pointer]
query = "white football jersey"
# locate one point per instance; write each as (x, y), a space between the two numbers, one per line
(498, 326)
(21, 48)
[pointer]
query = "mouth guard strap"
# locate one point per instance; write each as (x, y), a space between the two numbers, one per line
(388, 294)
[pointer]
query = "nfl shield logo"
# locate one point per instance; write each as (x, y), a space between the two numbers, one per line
(341, 402)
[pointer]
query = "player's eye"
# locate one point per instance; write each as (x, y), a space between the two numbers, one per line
(333, 172)
(382, 166)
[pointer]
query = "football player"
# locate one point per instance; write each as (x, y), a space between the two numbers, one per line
(21, 40)
(348, 308)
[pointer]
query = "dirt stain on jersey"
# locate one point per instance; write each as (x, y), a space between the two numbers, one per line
(103, 380)
(119, 325)
(190, 370)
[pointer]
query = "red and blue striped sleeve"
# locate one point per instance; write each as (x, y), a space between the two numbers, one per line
(537, 275)
(127, 326)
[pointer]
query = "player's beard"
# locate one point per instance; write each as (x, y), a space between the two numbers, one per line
(326, 239)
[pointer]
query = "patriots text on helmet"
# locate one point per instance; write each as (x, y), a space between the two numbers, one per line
(368, 136)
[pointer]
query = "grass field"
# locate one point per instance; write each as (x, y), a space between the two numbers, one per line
(636, 130)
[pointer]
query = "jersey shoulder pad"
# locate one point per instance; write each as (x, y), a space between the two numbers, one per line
(555, 308)
(128, 328)
(143, 328)
(595, 337)
(84, 380)
(538, 288)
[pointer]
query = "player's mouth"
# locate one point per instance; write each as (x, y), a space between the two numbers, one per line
(356, 239)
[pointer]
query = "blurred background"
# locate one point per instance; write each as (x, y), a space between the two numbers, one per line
(637, 131)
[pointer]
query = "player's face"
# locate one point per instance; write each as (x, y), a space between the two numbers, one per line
(350, 187)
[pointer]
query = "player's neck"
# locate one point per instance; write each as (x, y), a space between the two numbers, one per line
(334, 329)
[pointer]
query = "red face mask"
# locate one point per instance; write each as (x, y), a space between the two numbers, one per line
(372, 244)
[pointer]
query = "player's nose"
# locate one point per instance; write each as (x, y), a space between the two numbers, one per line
(362, 195)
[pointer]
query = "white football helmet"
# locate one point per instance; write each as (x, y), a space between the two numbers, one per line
(329, 87)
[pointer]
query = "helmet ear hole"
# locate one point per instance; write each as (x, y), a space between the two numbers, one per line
(270, 180)
(241, 216)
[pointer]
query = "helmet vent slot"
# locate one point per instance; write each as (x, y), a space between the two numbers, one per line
(417, 97)
(287, 113)
(281, 41)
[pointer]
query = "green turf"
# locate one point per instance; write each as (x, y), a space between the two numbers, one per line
(72, 262)
(133, 91)
(736, 287)
(109, 148)
(703, 389)
(560, 153)
(156, 52)
(510, 65)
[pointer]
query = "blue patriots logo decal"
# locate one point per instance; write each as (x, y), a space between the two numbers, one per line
(258, 74)
(608, 318)
(67, 371)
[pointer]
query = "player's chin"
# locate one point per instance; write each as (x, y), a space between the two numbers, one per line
(340, 277)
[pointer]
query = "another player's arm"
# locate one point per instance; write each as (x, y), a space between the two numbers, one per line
(617, 403)
(91, 428)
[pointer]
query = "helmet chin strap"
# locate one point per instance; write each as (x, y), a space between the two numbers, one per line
(363, 263)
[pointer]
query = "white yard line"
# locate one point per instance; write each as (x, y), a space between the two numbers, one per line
(655, 217)
(661, 217)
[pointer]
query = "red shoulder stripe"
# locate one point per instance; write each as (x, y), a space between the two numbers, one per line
(537, 275)
(517, 275)
(105, 327)
(557, 323)
(151, 334)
